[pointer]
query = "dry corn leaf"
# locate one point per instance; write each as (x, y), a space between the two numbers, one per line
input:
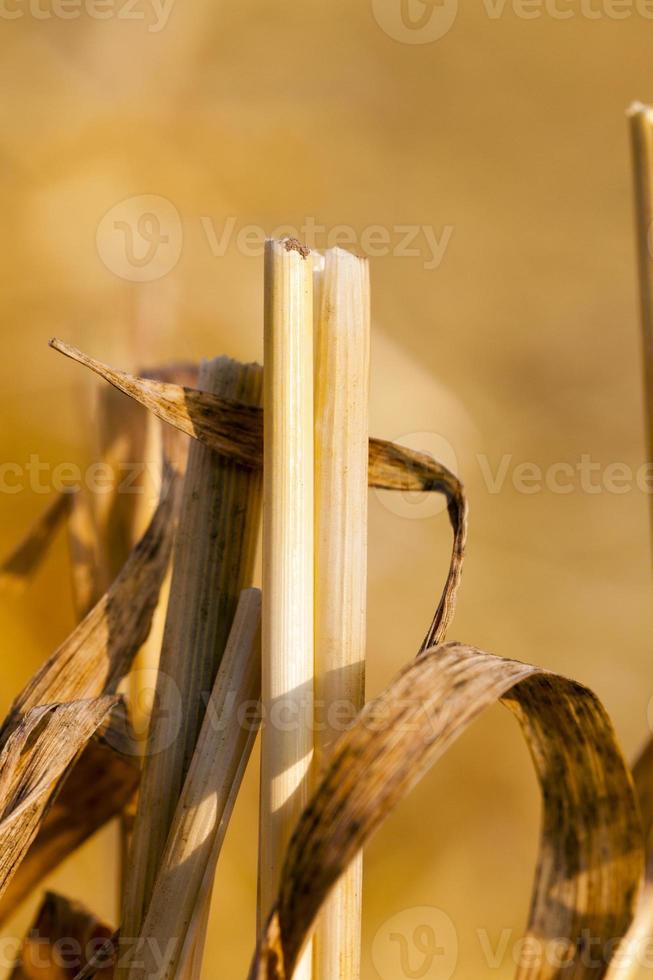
(36, 754)
(222, 423)
(236, 429)
(17, 569)
(99, 652)
(64, 935)
(99, 785)
(591, 849)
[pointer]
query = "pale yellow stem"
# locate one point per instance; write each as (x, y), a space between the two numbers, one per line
(287, 677)
(341, 451)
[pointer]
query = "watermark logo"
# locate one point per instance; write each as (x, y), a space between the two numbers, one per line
(416, 944)
(140, 239)
(415, 21)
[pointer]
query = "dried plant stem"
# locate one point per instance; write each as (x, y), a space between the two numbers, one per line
(287, 669)
(213, 561)
(208, 795)
(341, 459)
(641, 128)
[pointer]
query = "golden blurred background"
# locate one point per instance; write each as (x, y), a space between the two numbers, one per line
(140, 140)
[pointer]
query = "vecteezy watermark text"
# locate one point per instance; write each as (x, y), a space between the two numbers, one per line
(154, 13)
(585, 475)
(400, 241)
(43, 477)
(141, 238)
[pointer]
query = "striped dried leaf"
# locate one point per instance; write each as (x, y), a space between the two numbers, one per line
(591, 848)
(35, 756)
(99, 652)
(98, 787)
(234, 429)
(227, 426)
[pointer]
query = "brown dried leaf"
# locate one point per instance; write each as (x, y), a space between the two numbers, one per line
(222, 423)
(99, 652)
(236, 429)
(64, 935)
(591, 850)
(35, 756)
(99, 785)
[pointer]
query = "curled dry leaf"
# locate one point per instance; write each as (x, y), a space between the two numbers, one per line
(63, 936)
(98, 787)
(393, 467)
(236, 429)
(35, 756)
(591, 851)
